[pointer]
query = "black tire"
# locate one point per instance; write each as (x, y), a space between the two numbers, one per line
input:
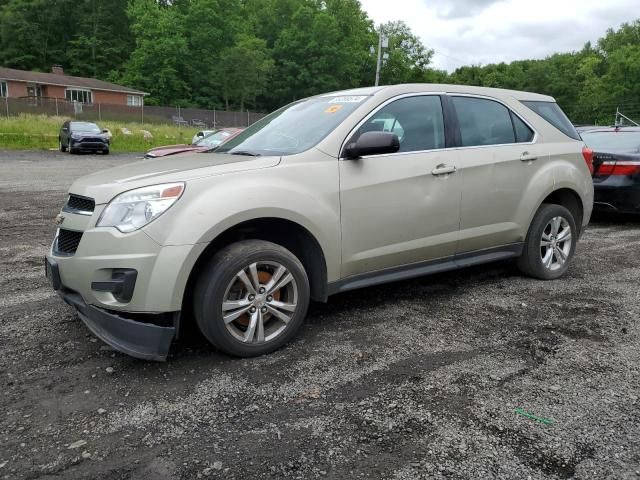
(531, 262)
(218, 275)
(105, 152)
(61, 146)
(72, 150)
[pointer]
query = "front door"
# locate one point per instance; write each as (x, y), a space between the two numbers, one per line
(400, 208)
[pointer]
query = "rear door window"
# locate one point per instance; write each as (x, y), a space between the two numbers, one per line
(483, 122)
(553, 114)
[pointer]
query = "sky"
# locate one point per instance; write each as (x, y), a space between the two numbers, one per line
(465, 32)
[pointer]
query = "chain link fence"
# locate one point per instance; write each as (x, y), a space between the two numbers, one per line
(96, 112)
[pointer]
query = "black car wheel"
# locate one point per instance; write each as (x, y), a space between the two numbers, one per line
(251, 298)
(550, 244)
(61, 146)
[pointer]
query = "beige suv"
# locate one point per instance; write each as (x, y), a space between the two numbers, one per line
(328, 194)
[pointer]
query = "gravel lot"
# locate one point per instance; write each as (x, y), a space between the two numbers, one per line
(418, 379)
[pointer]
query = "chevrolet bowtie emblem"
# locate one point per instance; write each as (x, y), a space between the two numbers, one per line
(59, 219)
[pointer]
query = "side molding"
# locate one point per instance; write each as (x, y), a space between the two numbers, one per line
(430, 267)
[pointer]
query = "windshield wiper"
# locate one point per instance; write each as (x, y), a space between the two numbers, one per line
(245, 152)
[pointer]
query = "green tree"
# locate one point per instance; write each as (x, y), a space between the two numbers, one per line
(158, 62)
(218, 24)
(34, 33)
(244, 71)
(318, 50)
(101, 40)
(408, 60)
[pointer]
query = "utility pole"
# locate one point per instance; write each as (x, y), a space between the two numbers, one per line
(383, 42)
(378, 64)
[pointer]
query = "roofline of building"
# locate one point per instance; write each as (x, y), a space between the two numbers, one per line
(133, 92)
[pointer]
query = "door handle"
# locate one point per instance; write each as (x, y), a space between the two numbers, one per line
(443, 169)
(527, 157)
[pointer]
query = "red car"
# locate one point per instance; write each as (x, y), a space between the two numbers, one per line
(211, 141)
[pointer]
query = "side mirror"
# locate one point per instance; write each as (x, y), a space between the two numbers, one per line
(372, 143)
(200, 134)
(105, 131)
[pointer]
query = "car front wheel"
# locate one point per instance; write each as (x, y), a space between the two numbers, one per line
(550, 244)
(251, 298)
(61, 146)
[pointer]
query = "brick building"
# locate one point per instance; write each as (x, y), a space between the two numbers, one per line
(22, 83)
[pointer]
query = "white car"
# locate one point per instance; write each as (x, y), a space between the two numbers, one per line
(201, 134)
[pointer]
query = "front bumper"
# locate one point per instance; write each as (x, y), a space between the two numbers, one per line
(138, 339)
(93, 146)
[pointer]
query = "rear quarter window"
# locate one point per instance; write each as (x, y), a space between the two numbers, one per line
(523, 132)
(553, 114)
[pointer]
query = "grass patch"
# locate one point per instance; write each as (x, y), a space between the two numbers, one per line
(29, 132)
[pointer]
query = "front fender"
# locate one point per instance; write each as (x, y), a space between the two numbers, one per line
(306, 194)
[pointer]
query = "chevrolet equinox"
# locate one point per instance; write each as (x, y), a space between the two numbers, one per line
(330, 193)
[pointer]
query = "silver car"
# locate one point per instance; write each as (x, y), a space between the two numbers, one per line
(331, 193)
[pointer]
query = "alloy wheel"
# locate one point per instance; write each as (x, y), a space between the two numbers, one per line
(259, 302)
(556, 243)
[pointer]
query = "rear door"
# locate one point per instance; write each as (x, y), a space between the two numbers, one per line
(400, 208)
(497, 159)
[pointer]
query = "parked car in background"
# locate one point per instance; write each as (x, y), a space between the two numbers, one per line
(77, 137)
(616, 163)
(211, 141)
(201, 134)
(328, 194)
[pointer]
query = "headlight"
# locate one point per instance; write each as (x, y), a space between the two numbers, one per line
(134, 209)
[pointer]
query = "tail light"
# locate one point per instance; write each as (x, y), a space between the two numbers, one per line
(587, 153)
(619, 167)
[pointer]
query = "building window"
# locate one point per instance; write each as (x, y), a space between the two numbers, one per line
(134, 100)
(4, 91)
(79, 95)
(34, 90)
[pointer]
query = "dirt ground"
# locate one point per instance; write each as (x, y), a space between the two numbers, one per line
(417, 379)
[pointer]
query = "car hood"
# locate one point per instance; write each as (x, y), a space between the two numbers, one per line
(104, 185)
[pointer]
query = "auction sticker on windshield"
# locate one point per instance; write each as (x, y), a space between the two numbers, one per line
(333, 109)
(348, 99)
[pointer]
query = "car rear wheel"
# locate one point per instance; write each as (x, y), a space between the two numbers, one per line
(251, 298)
(550, 244)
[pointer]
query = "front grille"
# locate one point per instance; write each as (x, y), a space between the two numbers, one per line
(92, 140)
(78, 203)
(68, 241)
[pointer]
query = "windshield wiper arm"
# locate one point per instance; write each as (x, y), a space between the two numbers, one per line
(245, 152)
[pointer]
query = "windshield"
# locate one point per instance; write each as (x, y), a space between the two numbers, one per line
(613, 142)
(213, 139)
(85, 127)
(294, 128)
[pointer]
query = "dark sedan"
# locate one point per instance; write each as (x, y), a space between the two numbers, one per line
(616, 160)
(83, 136)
